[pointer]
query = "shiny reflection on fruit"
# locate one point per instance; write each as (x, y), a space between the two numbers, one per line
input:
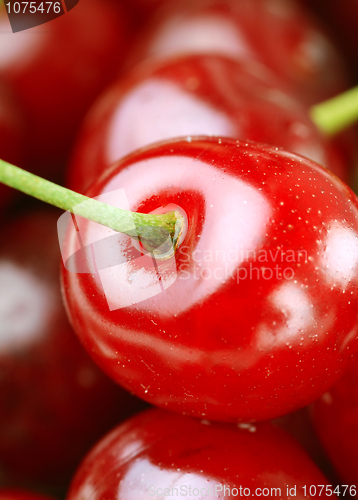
(25, 308)
(158, 454)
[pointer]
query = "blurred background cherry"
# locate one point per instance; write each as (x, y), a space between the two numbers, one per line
(157, 450)
(56, 70)
(195, 95)
(278, 33)
(55, 403)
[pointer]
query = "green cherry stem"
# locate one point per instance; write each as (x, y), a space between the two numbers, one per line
(336, 114)
(152, 231)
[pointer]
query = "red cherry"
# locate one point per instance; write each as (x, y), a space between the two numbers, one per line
(204, 94)
(158, 454)
(55, 403)
(257, 313)
(57, 69)
(335, 416)
(278, 33)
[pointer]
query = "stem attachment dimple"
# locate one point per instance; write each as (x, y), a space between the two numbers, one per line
(161, 241)
(152, 230)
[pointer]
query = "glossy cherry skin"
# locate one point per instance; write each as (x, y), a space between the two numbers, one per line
(257, 314)
(200, 94)
(278, 33)
(158, 454)
(57, 69)
(55, 402)
(335, 416)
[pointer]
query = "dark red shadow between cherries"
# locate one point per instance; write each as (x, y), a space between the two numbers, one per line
(335, 416)
(56, 70)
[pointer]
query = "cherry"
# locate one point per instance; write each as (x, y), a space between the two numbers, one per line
(300, 426)
(278, 33)
(335, 416)
(140, 11)
(57, 69)
(256, 315)
(55, 403)
(204, 94)
(158, 454)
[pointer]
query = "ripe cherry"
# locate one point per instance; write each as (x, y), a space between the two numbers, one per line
(300, 426)
(342, 21)
(200, 94)
(55, 402)
(158, 455)
(256, 315)
(278, 33)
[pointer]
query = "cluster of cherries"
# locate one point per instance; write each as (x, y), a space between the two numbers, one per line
(246, 312)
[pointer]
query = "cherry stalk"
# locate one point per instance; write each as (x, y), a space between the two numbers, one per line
(152, 231)
(336, 114)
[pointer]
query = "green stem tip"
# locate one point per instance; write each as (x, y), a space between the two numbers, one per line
(336, 114)
(159, 234)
